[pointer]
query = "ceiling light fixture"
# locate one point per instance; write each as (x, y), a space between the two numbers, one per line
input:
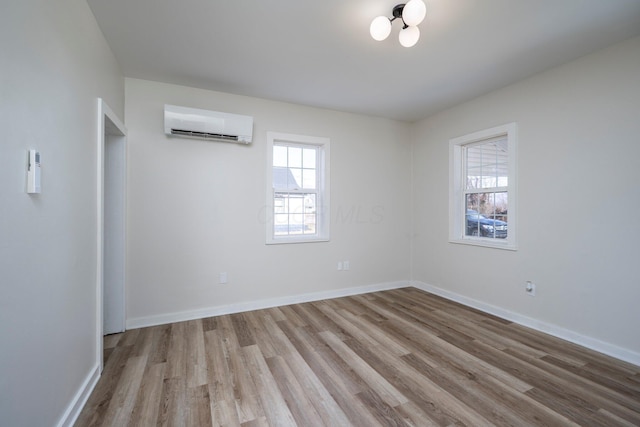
(412, 13)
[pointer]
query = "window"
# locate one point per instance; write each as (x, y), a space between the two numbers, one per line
(482, 187)
(297, 188)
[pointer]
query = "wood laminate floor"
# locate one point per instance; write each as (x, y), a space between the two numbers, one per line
(399, 357)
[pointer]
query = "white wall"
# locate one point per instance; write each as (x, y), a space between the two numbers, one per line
(196, 208)
(579, 202)
(55, 63)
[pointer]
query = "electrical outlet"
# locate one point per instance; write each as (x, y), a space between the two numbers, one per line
(224, 278)
(340, 266)
(530, 288)
(346, 265)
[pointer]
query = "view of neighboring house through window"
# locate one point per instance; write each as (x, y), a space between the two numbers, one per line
(482, 188)
(298, 189)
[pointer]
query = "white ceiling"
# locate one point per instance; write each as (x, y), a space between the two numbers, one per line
(319, 52)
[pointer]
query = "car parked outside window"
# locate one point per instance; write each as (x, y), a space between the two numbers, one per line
(479, 225)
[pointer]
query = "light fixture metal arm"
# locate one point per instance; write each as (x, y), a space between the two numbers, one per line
(397, 13)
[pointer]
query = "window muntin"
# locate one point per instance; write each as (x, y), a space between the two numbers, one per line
(482, 188)
(298, 189)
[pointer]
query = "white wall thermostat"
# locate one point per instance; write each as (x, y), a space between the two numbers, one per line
(33, 172)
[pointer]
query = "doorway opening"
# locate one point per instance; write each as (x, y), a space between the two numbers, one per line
(112, 166)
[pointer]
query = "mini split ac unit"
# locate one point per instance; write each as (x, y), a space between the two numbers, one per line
(205, 124)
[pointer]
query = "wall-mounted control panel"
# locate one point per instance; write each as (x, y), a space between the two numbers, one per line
(33, 172)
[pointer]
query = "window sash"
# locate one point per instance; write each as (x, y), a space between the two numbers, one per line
(303, 165)
(489, 164)
(296, 220)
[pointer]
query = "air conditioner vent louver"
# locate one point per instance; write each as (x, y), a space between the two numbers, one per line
(207, 125)
(204, 135)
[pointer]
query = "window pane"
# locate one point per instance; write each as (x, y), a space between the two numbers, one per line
(295, 157)
(296, 204)
(474, 167)
(296, 223)
(310, 224)
(279, 156)
(309, 178)
(287, 178)
(295, 178)
(281, 224)
(502, 206)
(280, 177)
(309, 158)
(310, 203)
(487, 164)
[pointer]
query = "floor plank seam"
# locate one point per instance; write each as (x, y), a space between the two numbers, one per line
(397, 357)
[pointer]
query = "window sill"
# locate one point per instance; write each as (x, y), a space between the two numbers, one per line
(487, 243)
(290, 240)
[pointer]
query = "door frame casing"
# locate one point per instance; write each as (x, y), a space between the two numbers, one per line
(111, 130)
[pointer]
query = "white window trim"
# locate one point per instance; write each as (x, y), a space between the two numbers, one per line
(323, 206)
(457, 205)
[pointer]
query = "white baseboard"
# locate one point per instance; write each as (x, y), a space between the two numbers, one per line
(161, 319)
(72, 412)
(565, 334)
(571, 336)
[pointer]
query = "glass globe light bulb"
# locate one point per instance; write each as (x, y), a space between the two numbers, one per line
(380, 28)
(414, 12)
(409, 36)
